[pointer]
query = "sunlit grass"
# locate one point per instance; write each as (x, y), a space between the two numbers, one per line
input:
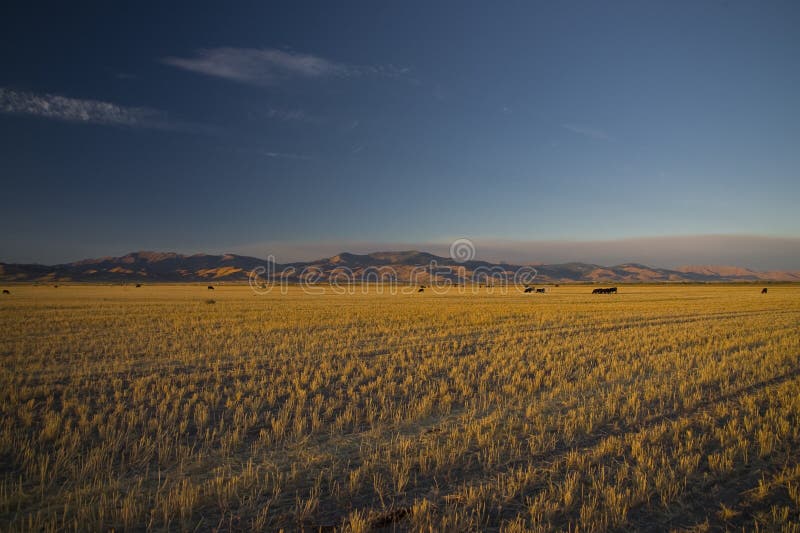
(134, 408)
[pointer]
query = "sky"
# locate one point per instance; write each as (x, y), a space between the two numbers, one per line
(540, 130)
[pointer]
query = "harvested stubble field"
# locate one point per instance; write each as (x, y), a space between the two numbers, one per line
(656, 408)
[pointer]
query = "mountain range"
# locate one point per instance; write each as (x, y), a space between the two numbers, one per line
(404, 267)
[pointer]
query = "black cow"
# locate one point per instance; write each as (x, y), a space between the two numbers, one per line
(138, 285)
(528, 289)
(764, 290)
(6, 291)
(421, 289)
(211, 287)
(540, 290)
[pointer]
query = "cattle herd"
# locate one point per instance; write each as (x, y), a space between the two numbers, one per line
(610, 290)
(532, 289)
(599, 290)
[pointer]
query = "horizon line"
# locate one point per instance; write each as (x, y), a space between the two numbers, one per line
(598, 252)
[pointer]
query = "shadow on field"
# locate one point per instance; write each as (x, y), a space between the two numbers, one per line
(690, 509)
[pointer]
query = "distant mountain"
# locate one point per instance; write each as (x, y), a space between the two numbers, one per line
(739, 273)
(137, 266)
(401, 266)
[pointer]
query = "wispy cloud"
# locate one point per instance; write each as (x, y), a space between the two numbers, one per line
(587, 131)
(290, 115)
(57, 107)
(77, 110)
(285, 155)
(266, 66)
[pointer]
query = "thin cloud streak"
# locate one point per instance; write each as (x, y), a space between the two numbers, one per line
(291, 115)
(267, 66)
(67, 109)
(587, 131)
(76, 110)
(285, 155)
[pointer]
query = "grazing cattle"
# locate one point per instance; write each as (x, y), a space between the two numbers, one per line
(528, 289)
(540, 290)
(421, 289)
(55, 286)
(610, 290)
(6, 291)
(138, 285)
(764, 290)
(211, 287)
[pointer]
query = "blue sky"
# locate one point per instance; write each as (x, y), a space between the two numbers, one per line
(311, 126)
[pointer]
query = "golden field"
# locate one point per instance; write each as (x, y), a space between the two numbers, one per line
(661, 407)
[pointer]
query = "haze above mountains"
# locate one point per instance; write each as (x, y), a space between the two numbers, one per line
(173, 267)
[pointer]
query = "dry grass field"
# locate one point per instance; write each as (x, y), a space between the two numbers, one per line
(657, 408)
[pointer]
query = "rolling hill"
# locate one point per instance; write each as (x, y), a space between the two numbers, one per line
(402, 266)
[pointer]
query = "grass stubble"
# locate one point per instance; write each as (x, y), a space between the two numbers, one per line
(662, 407)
